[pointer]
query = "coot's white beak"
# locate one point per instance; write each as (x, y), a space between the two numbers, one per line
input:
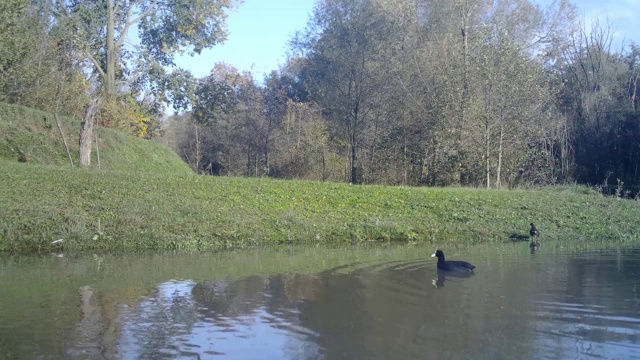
(433, 255)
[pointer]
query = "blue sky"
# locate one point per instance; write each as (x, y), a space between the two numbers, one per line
(259, 31)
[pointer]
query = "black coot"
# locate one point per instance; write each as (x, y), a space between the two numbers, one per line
(533, 231)
(534, 245)
(458, 266)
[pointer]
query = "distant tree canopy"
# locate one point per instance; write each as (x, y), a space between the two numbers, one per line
(432, 92)
(415, 92)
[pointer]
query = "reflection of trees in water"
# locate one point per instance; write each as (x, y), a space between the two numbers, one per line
(229, 298)
(179, 318)
(276, 301)
(369, 314)
(546, 306)
(96, 334)
(396, 313)
(339, 316)
(242, 297)
(160, 319)
(86, 341)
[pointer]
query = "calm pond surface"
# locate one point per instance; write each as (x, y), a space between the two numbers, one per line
(384, 302)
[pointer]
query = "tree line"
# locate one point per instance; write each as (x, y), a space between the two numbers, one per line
(413, 92)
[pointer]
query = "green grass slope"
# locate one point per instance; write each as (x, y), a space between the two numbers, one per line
(103, 210)
(32, 136)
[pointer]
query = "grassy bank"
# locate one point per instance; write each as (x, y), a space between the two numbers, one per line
(109, 210)
(144, 197)
(33, 137)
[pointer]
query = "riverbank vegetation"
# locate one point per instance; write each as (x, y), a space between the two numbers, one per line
(110, 210)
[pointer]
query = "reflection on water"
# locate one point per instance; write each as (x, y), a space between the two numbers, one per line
(237, 319)
(442, 276)
(541, 305)
(591, 307)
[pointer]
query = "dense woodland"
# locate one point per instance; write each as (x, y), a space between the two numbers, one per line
(485, 93)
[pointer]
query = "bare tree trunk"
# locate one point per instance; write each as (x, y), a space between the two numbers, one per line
(287, 130)
(464, 30)
(110, 81)
(197, 149)
(98, 148)
(354, 170)
(353, 124)
(266, 154)
(248, 160)
(86, 132)
(487, 153)
(372, 154)
(633, 84)
(565, 151)
(64, 140)
(405, 175)
(486, 159)
(324, 163)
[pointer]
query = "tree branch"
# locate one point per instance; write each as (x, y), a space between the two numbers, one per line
(127, 24)
(95, 62)
(64, 8)
(151, 9)
(130, 22)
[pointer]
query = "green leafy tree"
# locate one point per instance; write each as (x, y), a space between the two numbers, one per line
(12, 14)
(100, 28)
(281, 88)
(215, 121)
(341, 47)
(37, 69)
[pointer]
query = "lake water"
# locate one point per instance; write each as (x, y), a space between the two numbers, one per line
(380, 302)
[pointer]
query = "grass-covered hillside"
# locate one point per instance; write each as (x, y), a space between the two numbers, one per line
(144, 198)
(128, 211)
(33, 137)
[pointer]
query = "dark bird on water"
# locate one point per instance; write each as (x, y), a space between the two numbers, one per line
(534, 232)
(458, 266)
(534, 245)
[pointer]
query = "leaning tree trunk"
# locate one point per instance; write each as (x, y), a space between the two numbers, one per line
(110, 81)
(86, 132)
